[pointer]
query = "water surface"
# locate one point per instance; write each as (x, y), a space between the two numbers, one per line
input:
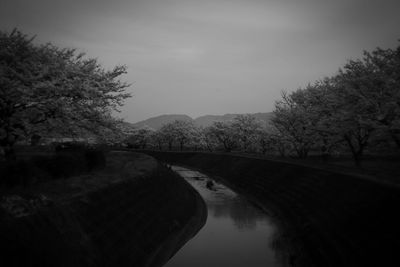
(236, 232)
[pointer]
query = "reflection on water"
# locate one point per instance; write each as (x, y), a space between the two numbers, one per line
(236, 233)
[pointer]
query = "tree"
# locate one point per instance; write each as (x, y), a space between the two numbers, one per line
(264, 141)
(277, 142)
(367, 98)
(167, 134)
(246, 128)
(197, 139)
(224, 133)
(114, 132)
(140, 137)
(356, 113)
(43, 86)
(321, 105)
(292, 120)
(179, 131)
(375, 81)
(158, 138)
(324, 115)
(208, 139)
(122, 132)
(184, 131)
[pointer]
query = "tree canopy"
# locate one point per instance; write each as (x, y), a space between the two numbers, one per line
(358, 107)
(43, 87)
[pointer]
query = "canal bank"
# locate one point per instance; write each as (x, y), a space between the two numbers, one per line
(326, 218)
(236, 234)
(135, 212)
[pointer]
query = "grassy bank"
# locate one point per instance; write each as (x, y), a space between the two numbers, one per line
(41, 164)
(327, 218)
(134, 212)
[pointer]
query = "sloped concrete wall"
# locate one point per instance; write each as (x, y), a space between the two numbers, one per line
(326, 218)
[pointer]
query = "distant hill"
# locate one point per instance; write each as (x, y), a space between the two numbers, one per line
(204, 121)
(157, 122)
(207, 120)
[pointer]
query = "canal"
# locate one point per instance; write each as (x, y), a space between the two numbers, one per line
(236, 233)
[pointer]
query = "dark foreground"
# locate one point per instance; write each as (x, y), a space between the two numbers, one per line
(134, 212)
(326, 218)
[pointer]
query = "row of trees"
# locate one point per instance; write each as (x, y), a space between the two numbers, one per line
(45, 90)
(244, 133)
(356, 110)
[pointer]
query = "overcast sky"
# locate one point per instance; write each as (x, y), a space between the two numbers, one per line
(200, 57)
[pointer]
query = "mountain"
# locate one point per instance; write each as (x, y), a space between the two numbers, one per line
(204, 121)
(157, 122)
(207, 120)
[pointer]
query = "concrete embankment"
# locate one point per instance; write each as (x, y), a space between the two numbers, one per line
(326, 218)
(135, 212)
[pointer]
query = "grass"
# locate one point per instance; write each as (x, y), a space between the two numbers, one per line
(35, 165)
(134, 207)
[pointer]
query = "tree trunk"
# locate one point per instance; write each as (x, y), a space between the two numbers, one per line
(356, 151)
(263, 150)
(324, 153)
(209, 148)
(302, 152)
(282, 150)
(227, 147)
